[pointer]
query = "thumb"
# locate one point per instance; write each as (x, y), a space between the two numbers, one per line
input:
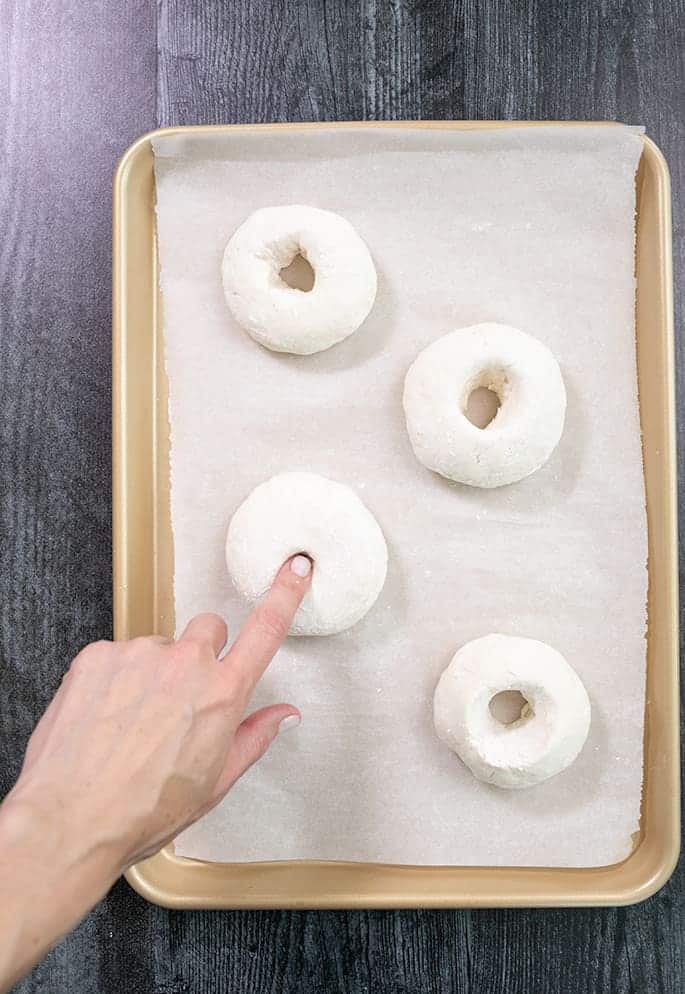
(251, 740)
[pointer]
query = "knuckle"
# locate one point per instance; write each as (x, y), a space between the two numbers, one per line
(180, 653)
(213, 619)
(194, 651)
(92, 655)
(229, 684)
(260, 743)
(142, 642)
(272, 623)
(100, 648)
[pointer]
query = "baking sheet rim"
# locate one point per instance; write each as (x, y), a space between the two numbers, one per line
(177, 882)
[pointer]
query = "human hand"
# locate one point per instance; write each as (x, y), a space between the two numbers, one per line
(140, 740)
(143, 737)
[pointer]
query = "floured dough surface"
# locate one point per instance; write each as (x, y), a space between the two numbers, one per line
(526, 378)
(305, 512)
(551, 729)
(281, 317)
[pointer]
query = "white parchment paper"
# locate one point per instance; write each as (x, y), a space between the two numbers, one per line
(532, 227)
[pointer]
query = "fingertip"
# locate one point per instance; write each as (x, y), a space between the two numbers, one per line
(301, 565)
(252, 739)
(290, 721)
(296, 572)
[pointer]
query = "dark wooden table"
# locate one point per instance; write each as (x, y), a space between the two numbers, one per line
(80, 80)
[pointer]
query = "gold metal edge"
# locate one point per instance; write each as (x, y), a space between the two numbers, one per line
(602, 885)
(119, 464)
(660, 865)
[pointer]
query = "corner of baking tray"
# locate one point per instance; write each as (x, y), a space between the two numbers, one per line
(657, 871)
(137, 147)
(142, 885)
(659, 157)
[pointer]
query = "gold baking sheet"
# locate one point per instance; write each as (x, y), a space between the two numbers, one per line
(143, 578)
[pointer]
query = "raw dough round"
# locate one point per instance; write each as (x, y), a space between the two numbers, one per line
(278, 316)
(304, 512)
(553, 725)
(523, 434)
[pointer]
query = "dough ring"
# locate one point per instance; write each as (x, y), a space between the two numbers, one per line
(553, 725)
(304, 512)
(523, 434)
(278, 316)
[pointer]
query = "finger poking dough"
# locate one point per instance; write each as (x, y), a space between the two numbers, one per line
(279, 316)
(553, 724)
(304, 512)
(525, 430)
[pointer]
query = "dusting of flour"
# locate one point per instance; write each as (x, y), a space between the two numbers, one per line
(532, 227)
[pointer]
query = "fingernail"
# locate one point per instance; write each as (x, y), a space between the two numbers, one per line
(301, 565)
(292, 721)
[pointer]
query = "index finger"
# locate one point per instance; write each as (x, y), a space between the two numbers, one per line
(269, 623)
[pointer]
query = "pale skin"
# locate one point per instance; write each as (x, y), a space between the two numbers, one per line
(141, 739)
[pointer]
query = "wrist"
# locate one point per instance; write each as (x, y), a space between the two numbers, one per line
(51, 840)
(48, 879)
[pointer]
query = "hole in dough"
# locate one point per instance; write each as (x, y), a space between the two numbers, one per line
(482, 406)
(298, 274)
(510, 706)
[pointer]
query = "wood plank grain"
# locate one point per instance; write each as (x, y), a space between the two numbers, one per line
(277, 61)
(78, 84)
